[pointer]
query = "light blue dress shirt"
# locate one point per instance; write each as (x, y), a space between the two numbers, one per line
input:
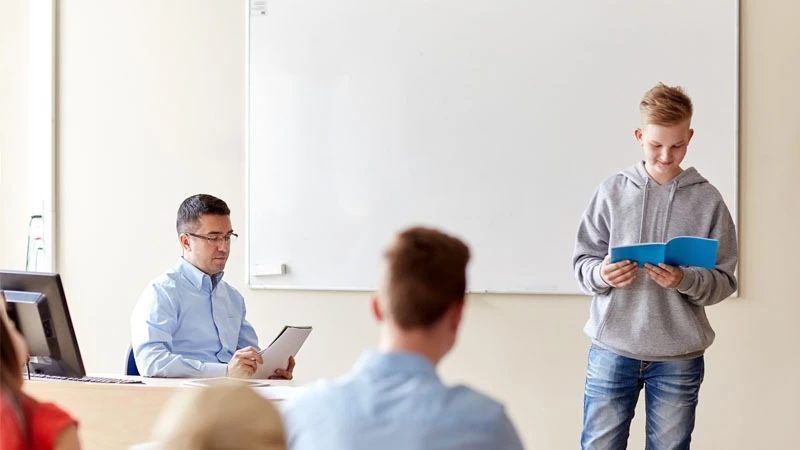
(188, 324)
(396, 401)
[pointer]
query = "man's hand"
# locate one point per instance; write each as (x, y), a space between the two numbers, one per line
(244, 362)
(281, 374)
(665, 275)
(619, 274)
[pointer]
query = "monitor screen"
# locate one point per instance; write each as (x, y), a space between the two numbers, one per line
(38, 307)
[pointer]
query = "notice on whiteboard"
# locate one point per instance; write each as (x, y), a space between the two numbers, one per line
(258, 7)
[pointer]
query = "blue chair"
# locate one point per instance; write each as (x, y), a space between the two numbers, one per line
(130, 363)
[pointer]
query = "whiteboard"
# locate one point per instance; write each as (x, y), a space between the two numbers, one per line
(494, 121)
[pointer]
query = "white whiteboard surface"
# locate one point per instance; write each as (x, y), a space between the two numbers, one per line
(494, 121)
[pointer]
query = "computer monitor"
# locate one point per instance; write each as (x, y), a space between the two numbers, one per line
(37, 305)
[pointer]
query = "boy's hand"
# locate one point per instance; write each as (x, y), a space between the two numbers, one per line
(619, 274)
(666, 276)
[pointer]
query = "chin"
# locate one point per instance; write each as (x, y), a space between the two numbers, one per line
(667, 170)
(217, 267)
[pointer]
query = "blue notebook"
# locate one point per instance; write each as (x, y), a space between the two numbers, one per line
(678, 251)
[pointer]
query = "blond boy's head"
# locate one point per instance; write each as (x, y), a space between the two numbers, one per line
(665, 105)
(666, 131)
(228, 416)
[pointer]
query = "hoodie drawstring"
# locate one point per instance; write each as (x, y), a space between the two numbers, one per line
(644, 209)
(669, 210)
(665, 228)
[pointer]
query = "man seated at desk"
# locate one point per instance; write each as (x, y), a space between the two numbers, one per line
(189, 322)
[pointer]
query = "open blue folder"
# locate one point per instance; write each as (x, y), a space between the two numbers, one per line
(678, 251)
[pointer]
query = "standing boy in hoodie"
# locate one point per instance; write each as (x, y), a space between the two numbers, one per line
(649, 328)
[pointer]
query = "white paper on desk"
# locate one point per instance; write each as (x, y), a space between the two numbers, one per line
(278, 393)
(276, 356)
(208, 382)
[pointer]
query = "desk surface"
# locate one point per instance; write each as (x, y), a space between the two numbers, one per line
(116, 416)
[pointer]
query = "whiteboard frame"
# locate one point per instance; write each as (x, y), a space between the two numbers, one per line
(42, 120)
(248, 257)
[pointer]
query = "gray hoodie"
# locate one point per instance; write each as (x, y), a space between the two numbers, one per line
(645, 321)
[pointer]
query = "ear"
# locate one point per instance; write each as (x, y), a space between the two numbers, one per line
(184, 240)
(637, 133)
(691, 133)
(456, 313)
(376, 309)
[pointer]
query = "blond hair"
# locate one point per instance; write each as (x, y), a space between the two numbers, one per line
(224, 417)
(665, 105)
(425, 275)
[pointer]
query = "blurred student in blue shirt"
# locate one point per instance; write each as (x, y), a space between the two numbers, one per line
(189, 322)
(393, 398)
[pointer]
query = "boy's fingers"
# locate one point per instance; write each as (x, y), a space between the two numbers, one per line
(621, 272)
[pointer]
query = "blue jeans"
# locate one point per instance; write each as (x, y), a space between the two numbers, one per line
(612, 389)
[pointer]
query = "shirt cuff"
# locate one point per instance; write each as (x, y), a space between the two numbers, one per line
(597, 279)
(213, 370)
(687, 281)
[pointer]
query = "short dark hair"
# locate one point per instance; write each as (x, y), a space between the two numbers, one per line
(426, 275)
(196, 206)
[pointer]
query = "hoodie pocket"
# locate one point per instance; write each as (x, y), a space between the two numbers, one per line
(705, 333)
(649, 324)
(599, 313)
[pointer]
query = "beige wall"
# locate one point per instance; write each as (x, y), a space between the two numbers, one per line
(152, 110)
(14, 212)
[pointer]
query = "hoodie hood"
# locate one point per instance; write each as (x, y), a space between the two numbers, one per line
(638, 177)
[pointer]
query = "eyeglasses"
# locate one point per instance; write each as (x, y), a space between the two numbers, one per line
(216, 240)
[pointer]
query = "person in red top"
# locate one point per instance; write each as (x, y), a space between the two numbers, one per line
(26, 424)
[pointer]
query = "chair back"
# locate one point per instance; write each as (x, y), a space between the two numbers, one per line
(130, 363)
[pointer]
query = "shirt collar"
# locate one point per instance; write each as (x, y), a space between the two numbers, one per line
(395, 362)
(196, 276)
